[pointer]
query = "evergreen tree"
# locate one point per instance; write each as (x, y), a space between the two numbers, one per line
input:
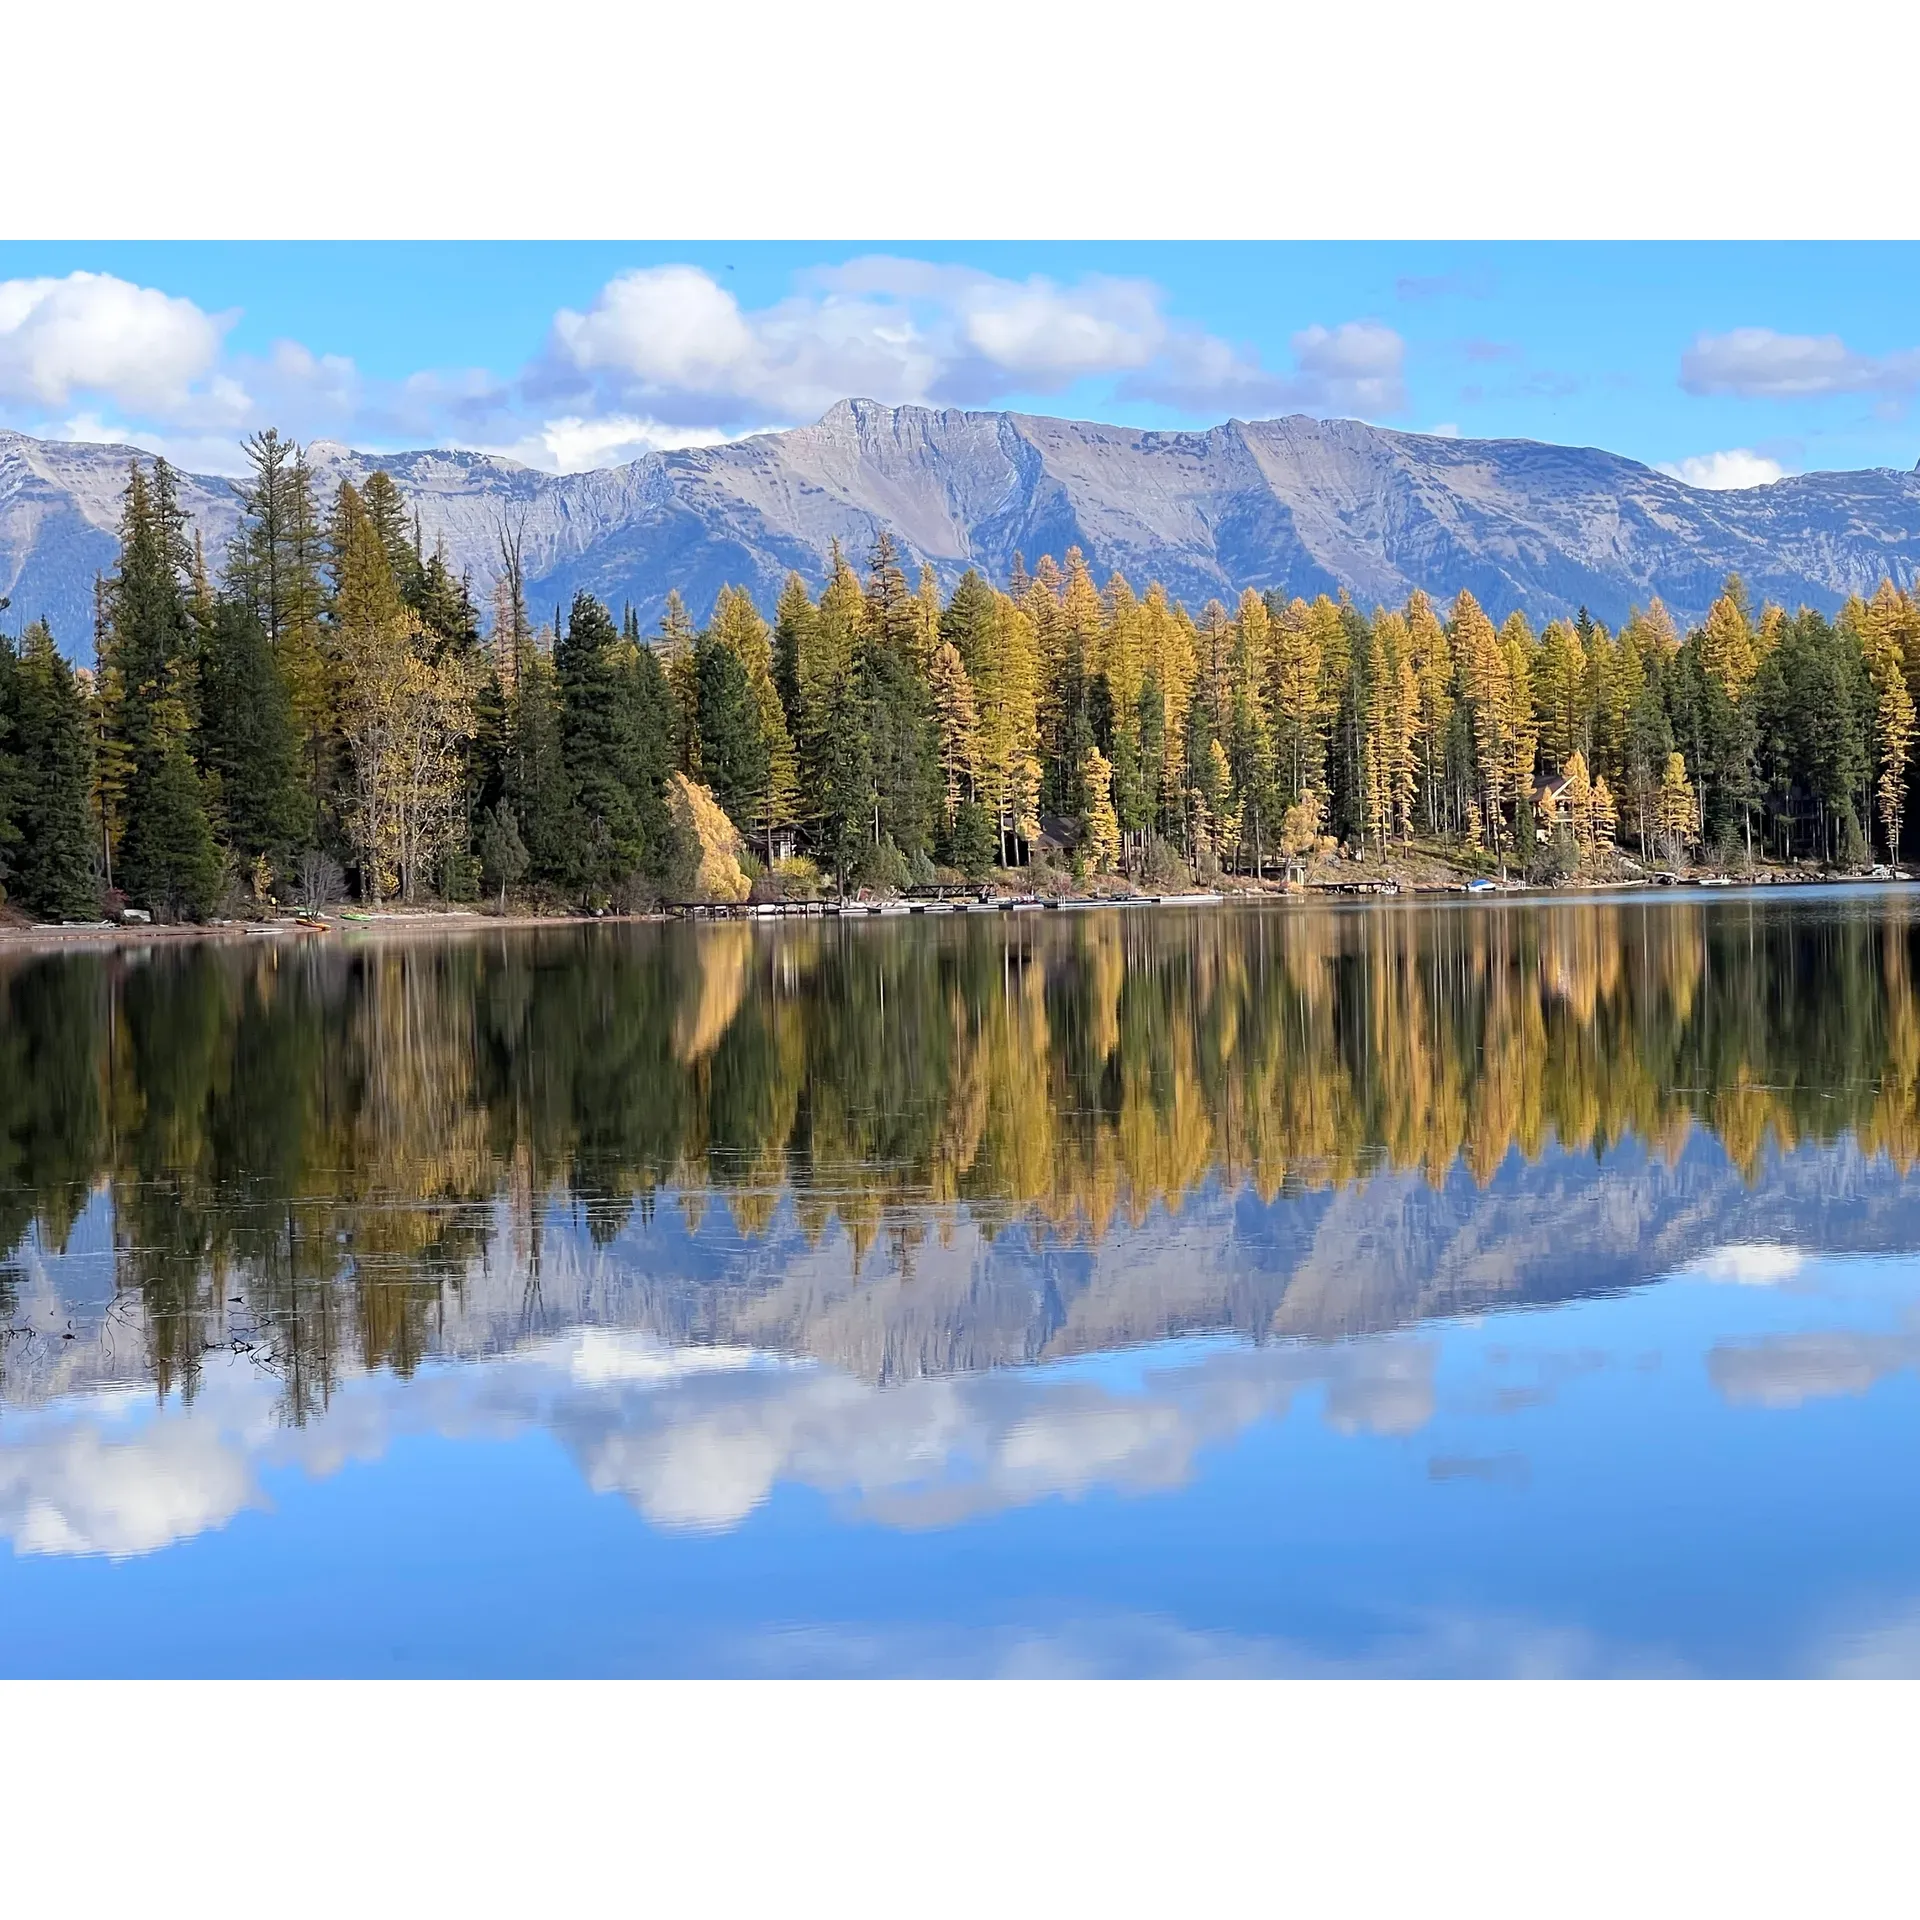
(612, 751)
(902, 748)
(396, 530)
(733, 749)
(536, 787)
(11, 771)
(274, 569)
(50, 798)
(168, 864)
(677, 646)
(503, 854)
(250, 745)
(737, 626)
(844, 825)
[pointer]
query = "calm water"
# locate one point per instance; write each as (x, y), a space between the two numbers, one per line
(1404, 1289)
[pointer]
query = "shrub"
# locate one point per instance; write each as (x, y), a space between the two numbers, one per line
(1556, 859)
(1164, 870)
(798, 878)
(882, 868)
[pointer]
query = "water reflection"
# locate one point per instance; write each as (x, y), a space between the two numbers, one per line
(934, 1224)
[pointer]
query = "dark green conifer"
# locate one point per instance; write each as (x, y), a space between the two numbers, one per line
(733, 750)
(52, 857)
(250, 745)
(169, 863)
(614, 748)
(536, 785)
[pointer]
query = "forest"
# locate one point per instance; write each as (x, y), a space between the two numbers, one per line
(327, 710)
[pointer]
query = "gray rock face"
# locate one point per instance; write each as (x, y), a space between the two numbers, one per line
(1302, 505)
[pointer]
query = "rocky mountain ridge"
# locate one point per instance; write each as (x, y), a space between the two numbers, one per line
(1298, 504)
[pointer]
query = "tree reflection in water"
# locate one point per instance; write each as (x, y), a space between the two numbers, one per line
(322, 1149)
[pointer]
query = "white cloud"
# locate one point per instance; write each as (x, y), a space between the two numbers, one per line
(1757, 363)
(663, 327)
(662, 357)
(573, 445)
(1360, 363)
(95, 334)
(1756, 1265)
(669, 344)
(1788, 1369)
(1722, 472)
(696, 1438)
(76, 1487)
(1445, 430)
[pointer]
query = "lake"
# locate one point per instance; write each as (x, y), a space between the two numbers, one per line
(1404, 1288)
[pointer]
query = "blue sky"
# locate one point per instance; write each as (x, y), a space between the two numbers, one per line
(1728, 363)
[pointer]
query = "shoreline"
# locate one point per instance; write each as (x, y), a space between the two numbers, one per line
(460, 920)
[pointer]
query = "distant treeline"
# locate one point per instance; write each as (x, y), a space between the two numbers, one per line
(329, 709)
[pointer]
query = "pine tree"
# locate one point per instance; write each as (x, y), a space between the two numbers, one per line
(536, 788)
(503, 855)
(444, 601)
(1577, 799)
(677, 644)
(733, 749)
(52, 858)
(894, 698)
(1517, 651)
(614, 753)
(274, 569)
(11, 770)
(737, 626)
(792, 632)
(1728, 654)
(250, 744)
(168, 863)
(396, 529)
(843, 825)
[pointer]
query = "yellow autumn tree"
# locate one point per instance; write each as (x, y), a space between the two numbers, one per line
(1431, 656)
(1101, 836)
(1889, 629)
(1676, 816)
(958, 723)
(706, 855)
(1486, 686)
(1296, 698)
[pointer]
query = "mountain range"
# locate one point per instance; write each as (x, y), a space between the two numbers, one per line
(1298, 504)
